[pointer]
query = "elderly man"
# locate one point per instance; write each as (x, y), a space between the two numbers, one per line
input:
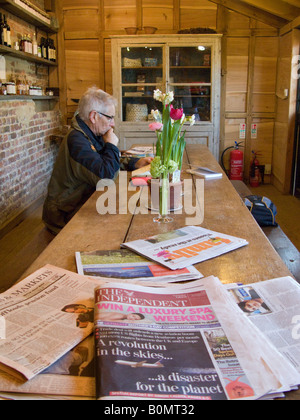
(88, 154)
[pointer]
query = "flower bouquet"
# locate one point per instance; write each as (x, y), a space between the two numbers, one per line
(170, 146)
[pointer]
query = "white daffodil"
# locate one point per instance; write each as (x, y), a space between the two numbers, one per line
(156, 115)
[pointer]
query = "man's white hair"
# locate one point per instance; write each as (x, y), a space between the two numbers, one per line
(94, 100)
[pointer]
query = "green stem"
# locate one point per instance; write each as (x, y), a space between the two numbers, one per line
(164, 194)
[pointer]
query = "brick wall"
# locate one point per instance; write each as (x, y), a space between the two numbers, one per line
(26, 155)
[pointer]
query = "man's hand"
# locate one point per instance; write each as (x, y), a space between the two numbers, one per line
(110, 137)
(143, 162)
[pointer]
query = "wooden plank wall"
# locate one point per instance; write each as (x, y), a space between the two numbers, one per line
(86, 26)
(250, 52)
(249, 72)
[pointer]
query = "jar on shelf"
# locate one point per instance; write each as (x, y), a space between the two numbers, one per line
(20, 88)
(11, 88)
(32, 91)
(3, 89)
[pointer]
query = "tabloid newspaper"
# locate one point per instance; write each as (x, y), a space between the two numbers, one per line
(127, 265)
(45, 316)
(186, 246)
(187, 342)
(273, 306)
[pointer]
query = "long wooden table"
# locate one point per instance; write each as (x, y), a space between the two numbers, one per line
(224, 212)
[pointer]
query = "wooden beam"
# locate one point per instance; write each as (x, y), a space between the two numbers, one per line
(276, 7)
(293, 2)
(61, 63)
(176, 8)
(295, 24)
(252, 12)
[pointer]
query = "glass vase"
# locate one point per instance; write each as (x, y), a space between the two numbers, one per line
(164, 199)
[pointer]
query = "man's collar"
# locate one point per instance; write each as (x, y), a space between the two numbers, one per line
(88, 131)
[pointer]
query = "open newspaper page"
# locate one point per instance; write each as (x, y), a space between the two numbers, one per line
(45, 316)
(127, 265)
(186, 246)
(171, 344)
(273, 306)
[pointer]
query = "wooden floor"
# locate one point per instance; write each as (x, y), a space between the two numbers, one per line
(20, 247)
(288, 208)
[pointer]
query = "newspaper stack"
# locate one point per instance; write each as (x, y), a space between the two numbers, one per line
(189, 343)
(127, 265)
(186, 246)
(197, 341)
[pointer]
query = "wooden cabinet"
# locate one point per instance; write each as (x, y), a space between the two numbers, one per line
(188, 65)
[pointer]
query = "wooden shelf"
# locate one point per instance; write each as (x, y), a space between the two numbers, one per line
(190, 67)
(25, 56)
(28, 98)
(18, 11)
(143, 68)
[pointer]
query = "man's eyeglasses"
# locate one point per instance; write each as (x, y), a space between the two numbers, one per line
(109, 117)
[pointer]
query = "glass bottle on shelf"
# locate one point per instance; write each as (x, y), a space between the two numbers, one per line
(8, 35)
(50, 50)
(39, 51)
(54, 53)
(26, 86)
(29, 44)
(34, 45)
(4, 31)
(1, 30)
(25, 47)
(43, 48)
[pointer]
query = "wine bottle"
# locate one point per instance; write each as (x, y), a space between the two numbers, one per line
(8, 37)
(4, 31)
(1, 30)
(34, 45)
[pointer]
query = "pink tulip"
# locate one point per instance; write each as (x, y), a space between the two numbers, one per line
(176, 114)
(156, 126)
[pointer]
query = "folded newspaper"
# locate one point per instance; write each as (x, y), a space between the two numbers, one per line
(45, 316)
(191, 341)
(185, 342)
(127, 265)
(273, 306)
(185, 247)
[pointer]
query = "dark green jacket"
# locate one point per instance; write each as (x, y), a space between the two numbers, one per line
(83, 160)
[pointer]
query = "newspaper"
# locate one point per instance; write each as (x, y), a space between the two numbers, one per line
(71, 377)
(273, 306)
(187, 342)
(141, 151)
(185, 247)
(45, 316)
(127, 265)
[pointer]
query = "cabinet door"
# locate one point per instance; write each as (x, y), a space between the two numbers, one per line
(142, 73)
(191, 80)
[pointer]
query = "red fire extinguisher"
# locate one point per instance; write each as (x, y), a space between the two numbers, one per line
(236, 164)
(254, 177)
